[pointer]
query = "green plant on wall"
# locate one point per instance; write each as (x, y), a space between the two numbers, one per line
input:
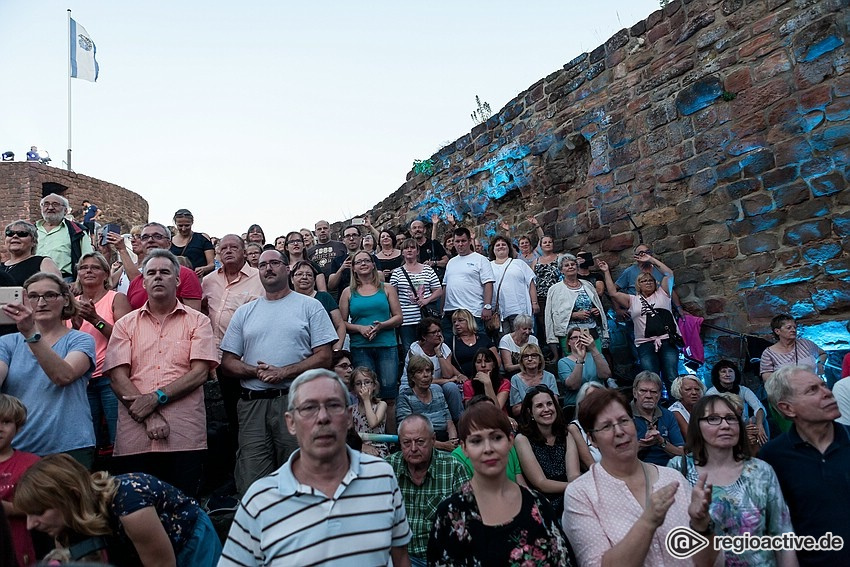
(424, 166)
(482, 113)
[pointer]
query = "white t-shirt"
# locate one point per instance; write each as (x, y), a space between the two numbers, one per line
(509, 344)
(464, 282)
(415, 350)
(514, 297)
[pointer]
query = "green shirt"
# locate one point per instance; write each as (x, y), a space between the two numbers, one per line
(513, 469)
(57, 245)
(445, 476)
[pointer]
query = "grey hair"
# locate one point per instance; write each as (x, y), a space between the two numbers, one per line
(778, 387)
(30, 228)
(65, 202)
(522, 320)
(676, 386)
(415, 416)
(647, 376)
(585, 389)
(563, 257)
(309, 376)
(162, 253)
(158, 225)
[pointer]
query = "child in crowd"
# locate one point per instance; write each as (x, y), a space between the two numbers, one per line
(370, 413)
(13, 463)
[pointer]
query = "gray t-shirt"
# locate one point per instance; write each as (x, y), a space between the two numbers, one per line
(279, 332)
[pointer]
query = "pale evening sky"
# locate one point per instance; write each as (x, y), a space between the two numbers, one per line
(275, 112)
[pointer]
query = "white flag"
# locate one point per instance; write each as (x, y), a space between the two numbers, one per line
(83, 62)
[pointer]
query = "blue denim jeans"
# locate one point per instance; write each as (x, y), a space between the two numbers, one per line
(103, 403)
(383, 361)
(454, 399)
(407, 335)
(664, 362)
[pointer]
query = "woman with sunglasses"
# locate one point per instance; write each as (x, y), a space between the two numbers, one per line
(303, 279)
(621, 511)
(47, 366)
(295, 250)
(195, 246)
(542, 445)
(746, 496)
(21, 243)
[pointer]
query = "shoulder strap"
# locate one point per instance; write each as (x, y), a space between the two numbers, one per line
(413, 289)
(499, 287)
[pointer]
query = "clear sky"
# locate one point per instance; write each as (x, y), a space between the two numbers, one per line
(277, 112)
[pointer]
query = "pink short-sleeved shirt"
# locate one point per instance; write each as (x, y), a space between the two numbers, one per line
(224, 298)
(599, 510)
(158, 354)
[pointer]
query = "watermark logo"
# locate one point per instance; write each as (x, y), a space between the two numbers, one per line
(684, 542)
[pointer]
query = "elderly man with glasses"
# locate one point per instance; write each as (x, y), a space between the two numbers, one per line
(63, 240)
(155, 236)
(659, 436)
(328, 504)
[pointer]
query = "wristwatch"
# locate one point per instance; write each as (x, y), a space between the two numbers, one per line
(34, 338)
(100, 325)
(161, 397)
(664, 443)
(488, 306)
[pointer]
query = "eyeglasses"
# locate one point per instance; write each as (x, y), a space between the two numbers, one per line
(530, 355)
(302, 275)
(18, 233)
(333, 408)
(273, 263)
(90, 267)
(343, 365)
(155, 236)
(350, 235)
(716, 419)
(52, 204)
(435, 332)
(624, 423)
(363, 261)
(48, 296)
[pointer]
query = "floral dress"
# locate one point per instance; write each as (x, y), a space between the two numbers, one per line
(532, 538)
(361, 425)
(546, 275)
(752, 504)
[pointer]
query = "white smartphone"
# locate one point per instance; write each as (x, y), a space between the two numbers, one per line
(11, 294)
(358, 220)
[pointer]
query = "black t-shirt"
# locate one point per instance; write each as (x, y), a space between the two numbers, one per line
(194, 249)
(433, 250)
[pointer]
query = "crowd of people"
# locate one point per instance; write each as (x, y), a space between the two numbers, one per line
(389, 398)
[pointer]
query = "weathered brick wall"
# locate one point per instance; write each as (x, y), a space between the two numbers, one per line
(21, 185)
(721, 127)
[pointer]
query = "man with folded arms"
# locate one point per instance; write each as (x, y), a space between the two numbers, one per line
(269, 342)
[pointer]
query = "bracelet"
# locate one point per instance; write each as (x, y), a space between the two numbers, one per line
(579, 362)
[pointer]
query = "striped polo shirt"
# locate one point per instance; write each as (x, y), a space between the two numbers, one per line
(283, 522)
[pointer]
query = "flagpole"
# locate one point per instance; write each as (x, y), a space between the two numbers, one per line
(68, 158)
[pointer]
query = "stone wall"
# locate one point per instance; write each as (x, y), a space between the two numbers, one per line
(721, 127)
(23, 184)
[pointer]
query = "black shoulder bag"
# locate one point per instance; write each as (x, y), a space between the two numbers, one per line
(426, 311)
